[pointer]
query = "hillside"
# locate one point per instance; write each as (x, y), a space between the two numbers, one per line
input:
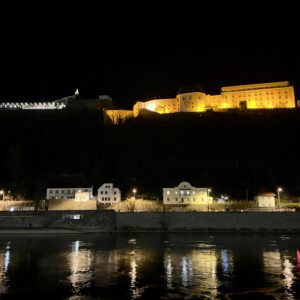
(230, 152)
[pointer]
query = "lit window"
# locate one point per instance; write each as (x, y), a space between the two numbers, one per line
(193, 192)
(176, 193)
(188, 192)
(72, 217)
(168, 192)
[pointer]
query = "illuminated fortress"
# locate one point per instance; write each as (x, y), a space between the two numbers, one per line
(272, 95)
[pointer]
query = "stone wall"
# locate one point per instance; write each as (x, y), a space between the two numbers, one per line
(6, 205)
(110, 221)
(199, 221)
(78, 221)
(72, 205)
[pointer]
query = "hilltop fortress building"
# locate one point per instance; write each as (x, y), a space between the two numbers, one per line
(272, 95)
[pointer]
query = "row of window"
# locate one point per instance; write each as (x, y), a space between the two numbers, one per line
(186, 199)
(182, 199)
(182, 192)
(105, 192)
(51, 192)
(263, 98)
(107, 199)
(258, 94)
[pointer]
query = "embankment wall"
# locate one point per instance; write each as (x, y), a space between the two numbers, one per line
(110, 221)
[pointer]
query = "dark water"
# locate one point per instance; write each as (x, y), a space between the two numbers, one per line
(150, 266)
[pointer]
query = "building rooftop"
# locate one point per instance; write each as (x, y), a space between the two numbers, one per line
(246, 87)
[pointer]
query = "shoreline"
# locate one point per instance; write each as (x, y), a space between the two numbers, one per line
(55, 231)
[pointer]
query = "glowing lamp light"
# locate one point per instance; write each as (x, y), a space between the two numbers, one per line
(278, 194)
(151, 106)
(134, 192)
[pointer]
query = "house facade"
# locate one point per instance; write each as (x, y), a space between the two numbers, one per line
(266, 200)
(185, 193)
(69, 193)
(108, 194)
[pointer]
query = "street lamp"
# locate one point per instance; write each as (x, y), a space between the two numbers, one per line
(2, 193)
(134, 192)
(278, 193)
(208, 191)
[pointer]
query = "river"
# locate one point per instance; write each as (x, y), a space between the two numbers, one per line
(150, 266)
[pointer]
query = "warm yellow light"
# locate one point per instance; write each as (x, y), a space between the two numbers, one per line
(151, 106)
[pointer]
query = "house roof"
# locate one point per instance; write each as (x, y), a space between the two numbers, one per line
(266, 194)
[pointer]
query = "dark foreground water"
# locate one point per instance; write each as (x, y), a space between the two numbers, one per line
(150, 266)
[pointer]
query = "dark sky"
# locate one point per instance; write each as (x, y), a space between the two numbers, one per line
(135, 53)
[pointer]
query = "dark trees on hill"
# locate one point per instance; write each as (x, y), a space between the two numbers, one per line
(229, 152)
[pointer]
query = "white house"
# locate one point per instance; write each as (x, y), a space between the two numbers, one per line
(184, 193)
(69, 193)
(266, 200)
(108, 194)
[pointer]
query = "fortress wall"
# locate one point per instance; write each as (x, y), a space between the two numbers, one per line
(255, 96)
(117, 116)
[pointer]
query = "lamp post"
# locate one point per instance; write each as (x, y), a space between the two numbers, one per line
(134, 192)
(2, 194)
(208, 191)
(278, 193)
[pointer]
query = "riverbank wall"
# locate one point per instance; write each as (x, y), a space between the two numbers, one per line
(214, 221)
(111, 221)
(72, 221)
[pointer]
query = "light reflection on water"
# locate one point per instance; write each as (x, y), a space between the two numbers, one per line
(80, 265)
(4, 265)
(151, 266)
(193, 271)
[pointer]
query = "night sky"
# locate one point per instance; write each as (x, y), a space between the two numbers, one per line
(137, 53)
